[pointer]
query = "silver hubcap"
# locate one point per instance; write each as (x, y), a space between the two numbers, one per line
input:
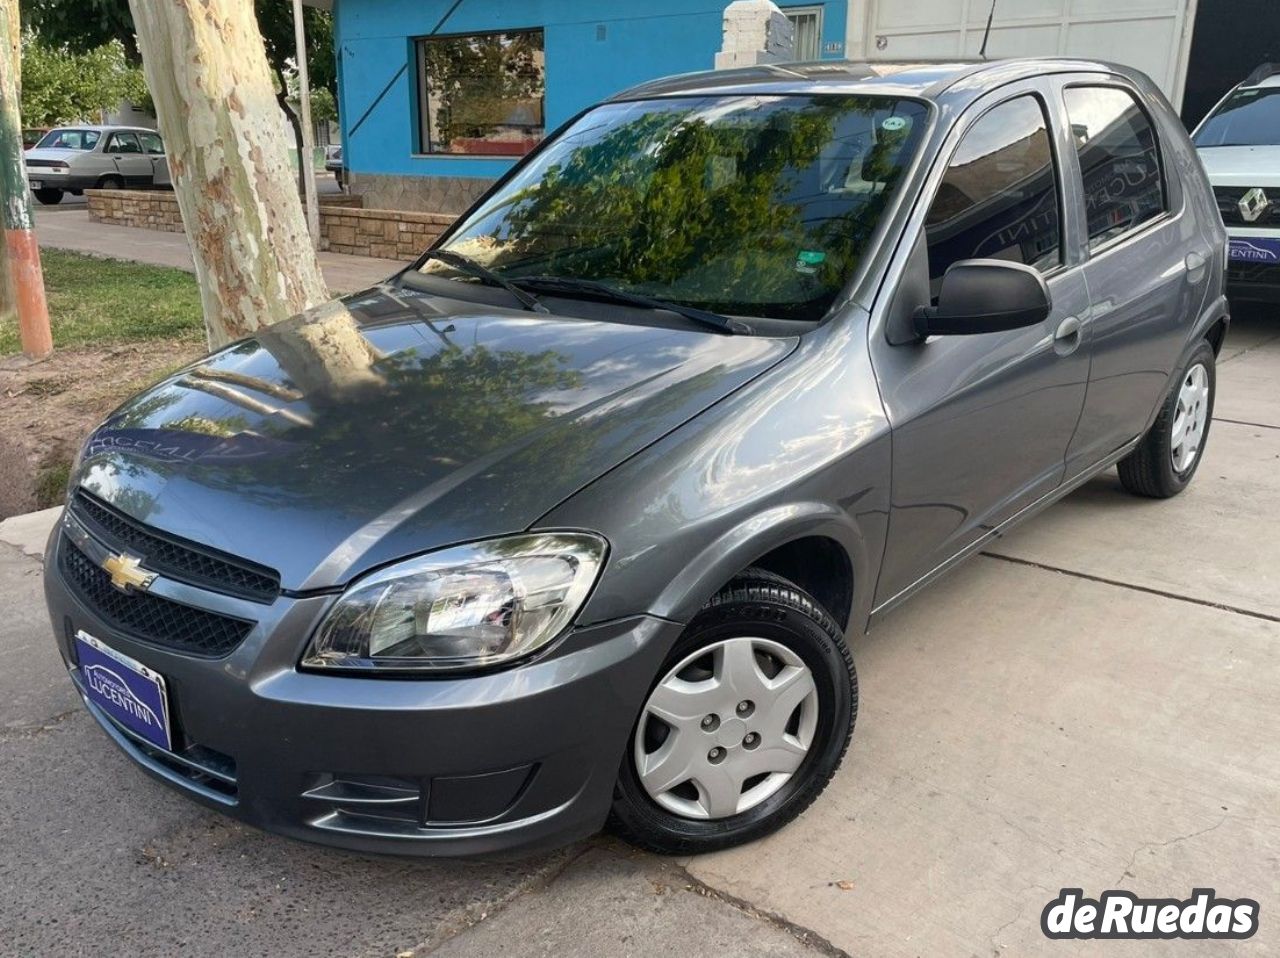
(1190, 417)
(726, 728)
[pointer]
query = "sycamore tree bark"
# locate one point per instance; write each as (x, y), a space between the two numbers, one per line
(228, 157)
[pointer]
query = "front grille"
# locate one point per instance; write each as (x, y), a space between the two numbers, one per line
(175, 558)
(147, 617)
(1228, 198)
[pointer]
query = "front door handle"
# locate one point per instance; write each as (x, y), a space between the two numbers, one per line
(1194, 261)
(1066, 338)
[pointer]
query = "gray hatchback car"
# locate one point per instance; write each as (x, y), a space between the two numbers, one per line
(575, 519)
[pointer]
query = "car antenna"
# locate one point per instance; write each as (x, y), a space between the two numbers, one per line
(986, 34)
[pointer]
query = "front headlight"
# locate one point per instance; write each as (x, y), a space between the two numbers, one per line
(461, 608)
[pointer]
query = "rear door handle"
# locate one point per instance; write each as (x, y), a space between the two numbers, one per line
(1195, 261)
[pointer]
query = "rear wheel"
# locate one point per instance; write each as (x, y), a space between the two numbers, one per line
(1170, 452)
(49, 197)
(111, 183)
(747, 722)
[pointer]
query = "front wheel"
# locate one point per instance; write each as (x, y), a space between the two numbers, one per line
(746, 724)
(1167, 457)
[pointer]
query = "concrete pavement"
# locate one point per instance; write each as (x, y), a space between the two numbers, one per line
(71, 229)
(1092, 704)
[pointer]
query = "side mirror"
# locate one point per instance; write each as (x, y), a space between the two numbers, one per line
(985, 296)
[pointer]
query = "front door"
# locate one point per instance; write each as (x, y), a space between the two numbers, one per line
(981, 423)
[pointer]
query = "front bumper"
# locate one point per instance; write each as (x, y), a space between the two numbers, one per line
(503, 763)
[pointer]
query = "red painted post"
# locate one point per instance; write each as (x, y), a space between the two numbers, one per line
(26, 277)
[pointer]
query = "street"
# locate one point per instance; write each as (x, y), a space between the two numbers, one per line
(1089, 704)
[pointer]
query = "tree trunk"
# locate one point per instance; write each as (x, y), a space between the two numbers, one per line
(25, 286)
(8, 301)
(282, 97)
(228, 157)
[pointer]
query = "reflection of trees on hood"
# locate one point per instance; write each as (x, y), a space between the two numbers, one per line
(432, 411)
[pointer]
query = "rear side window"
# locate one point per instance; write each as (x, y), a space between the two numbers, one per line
(151, 142)
(999, 197)
(124, 143)
(1119, 159)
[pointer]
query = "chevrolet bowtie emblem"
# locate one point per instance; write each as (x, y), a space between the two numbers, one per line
(127, 573)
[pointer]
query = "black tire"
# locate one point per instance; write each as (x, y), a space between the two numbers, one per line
(111, 183)
(768, 607)
(1149, 470)
(48, 197)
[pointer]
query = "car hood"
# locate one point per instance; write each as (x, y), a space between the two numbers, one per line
(1242, 165)
(394, 422)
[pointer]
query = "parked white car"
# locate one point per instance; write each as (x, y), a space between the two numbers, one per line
(1239, 145)
(71, 159)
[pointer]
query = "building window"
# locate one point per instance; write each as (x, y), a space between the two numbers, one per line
(481, 94)
(807, 22)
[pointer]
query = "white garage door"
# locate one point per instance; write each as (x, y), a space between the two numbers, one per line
(1147, 34)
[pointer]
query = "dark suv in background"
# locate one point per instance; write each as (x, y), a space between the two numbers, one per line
(578, 516)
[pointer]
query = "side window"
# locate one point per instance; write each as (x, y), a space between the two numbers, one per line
(124, 143)
(151, 142)
(1119, 160)
(999, 197)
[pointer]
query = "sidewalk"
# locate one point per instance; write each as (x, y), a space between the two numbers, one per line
(71, 229)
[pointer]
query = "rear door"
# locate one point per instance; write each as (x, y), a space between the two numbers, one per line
(1147, 265)
(154, 147)
(981, 423)
(125, 151)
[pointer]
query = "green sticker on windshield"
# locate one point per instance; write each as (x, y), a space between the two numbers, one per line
(808, 260)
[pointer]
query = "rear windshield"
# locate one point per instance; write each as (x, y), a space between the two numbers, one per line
(1246, 118)
(756, 206)
(70, 140)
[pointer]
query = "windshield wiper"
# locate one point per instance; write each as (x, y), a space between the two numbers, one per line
(572, 285)
(465, 264)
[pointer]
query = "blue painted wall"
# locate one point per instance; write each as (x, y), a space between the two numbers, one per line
(644, 39)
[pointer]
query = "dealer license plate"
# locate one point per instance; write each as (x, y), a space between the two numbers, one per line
(125, 689)
(1254, 249)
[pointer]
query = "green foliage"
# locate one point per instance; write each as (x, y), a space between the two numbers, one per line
(100, 301)
(60, 85)
(82, 25)
(275, 21)
(324, 108)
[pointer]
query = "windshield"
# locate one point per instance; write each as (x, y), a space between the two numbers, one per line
(70, 140)
(1246, 118)
(748, 205)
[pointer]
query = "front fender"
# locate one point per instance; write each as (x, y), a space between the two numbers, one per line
(803, 450)
(745, 543)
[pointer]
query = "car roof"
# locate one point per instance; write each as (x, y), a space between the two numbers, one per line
(100, 128)
(927, 79)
